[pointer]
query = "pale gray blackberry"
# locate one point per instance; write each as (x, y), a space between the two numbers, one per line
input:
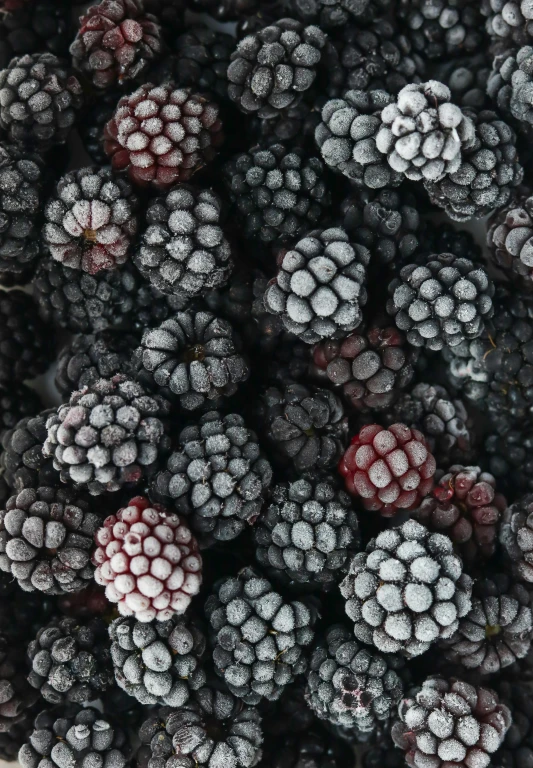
(351, 685)
(272, 68)
(442, 303)
(516, 537)
(407, 590)
(108, 435)
(91, 357)
(330, 14)
(25, 342)
(46, 538)
(307, 532)
(443, 28)
(259, 640)
(22, 459)
(320, 287)
(16, 403)
(509, 22)
(217, 477)
(183, 248)
(278, 191)
(347, 136)
(306, 427)
(192, 358)
(70, 661)
(214, 730)
(497, 630)
(159, 662)
(423, 134)
(40, 99)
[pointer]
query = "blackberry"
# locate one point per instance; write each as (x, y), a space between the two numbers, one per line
(452, 721)
(89, 358)
(14, 737)
(108, 435)
(517, 748)
(150, 307)
(22, 458)
(40, 99)
(17, 696)
(510, 240)
(371, 366)
(423, 134)
(25, 343)
(192, 358)
(347, 138)
(161, 134)
(444, 238)
(442, 303)
(316, 749)
(295, 125)
(351, 685)
(160, 662)
(217, 478)
(307, 532)
(497, 630)
(235, 9)
(259, 640)
(116, 42)
(46, 538)
(183, 249)
(213, 730)
(509, 458)
(39, 26)
(71, 661)
(508, 21)
(169, 13)
(16, 403)
(516, 537)
(278, 191)
(91, 220)
(339, 13)
(320, 287)
(407, 590)
(307, 427)
(467, 79)
(93, 122)
(442, 28)
(500, 83)
(21, 179)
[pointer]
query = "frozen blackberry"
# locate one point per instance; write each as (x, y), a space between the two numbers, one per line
(15, 736)
(450, 721)
(75, 735)
(148, 561)
(91, 220)
(316, 748)
(22, 458)
(370, 366)
(17, 696)
(330, 14)
(351, 685)
(347, 138)
(320, 288)
(93, 121)
(183, 249)
(510, 240)
(278, 191)
(41, 25)
(445, 238)
(46, 538)
(193, 357)
(467, 79)
(516, 537)
(407, 590)
(116, 42)
(161, 134)
(423, 134)
(500, 82)
(212, 731)
(517, 748)
(160, 662)
(259, 640)
(305, 426)
(509, 457)
(217, 478)
(442, 28)
(71, 661)
(39, 100)
(307, 532)
(108, 435)
(150, 306)
(497, 630)
(509, 21)
(25, 343)
(16, 402)
(89, 358)
(442, 303)
(294, 125)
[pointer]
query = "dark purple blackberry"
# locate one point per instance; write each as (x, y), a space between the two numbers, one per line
(39, 26)
(16, 403)
(317, 748)
(467, 79)
(96, 356)
(509, 23)
(509, 457)
(12, 739)
(510, 240)
(22, 459)
(93, 121)
(25, 343)
(442, 28)
(517, 748)
(17, 697)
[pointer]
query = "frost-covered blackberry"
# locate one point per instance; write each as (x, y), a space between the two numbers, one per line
(331, 14)
(439, 29)
(90, 357)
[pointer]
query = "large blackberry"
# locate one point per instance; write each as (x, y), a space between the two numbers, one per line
(159, 662)
(16, 403)
(41, 25)
(407, 590)
(25, 343)
(443, 28)
(510, 240)
(217, 477)
(351, 685)
(259, 640)
(307, 532)
(22, 458)
(97, 356)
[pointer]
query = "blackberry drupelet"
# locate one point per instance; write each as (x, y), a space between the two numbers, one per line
(107, 436)
(407, 590)
(25, 343)
(339, 13)
(307, 532)
(351, 685)
(442, 28)
(42, 25)
(278, 191)
(88, 358)
(305, 426)
(16, 402)
(217, 477)
(192, 358)
(46, 538)
(510, 240)
(115, 43)
(40, 99)
(22, 460)
(183, 249)
(259, 640)
(159, 662)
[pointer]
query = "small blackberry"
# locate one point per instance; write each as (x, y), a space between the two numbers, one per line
(22, 458)
(16, 402)
(25, 343)
(259, 640)
(442, 28)
(89, 358)
(510, 240)
(407, 590)
(339, 13)
(42, 25)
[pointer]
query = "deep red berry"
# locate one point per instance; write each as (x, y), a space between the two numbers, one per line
(390, 469)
